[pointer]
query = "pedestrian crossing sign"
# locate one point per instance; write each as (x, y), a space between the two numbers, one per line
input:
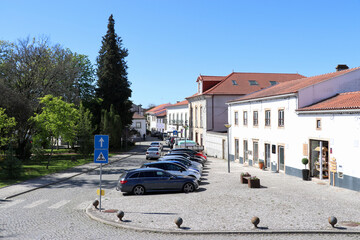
(101, 156)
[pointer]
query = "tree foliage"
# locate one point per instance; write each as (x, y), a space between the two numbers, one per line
(57, 120)
(85, 131)
(7, 125)
(112, 126)
(113, 85)
(31, 69)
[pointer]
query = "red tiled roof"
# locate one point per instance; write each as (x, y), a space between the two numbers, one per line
(348, 100)
(292, 86)
(185, 102)
(210, 78)
(157, 108)
(243, 86)
(138, 116)
(161, 114)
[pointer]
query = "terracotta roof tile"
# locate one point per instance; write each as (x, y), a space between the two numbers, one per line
(185, 102)
(292, 86)
(349, 100)
(157, 108)
(238, 83)
(138, 116)
(210, 78)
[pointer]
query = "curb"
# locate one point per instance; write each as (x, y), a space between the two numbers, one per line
(259, 231)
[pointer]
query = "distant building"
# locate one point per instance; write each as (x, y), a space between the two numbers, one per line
(156, 118)
(178, 118)
(139, 124)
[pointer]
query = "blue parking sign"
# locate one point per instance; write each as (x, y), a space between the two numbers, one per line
(101, 156)
(101, 142)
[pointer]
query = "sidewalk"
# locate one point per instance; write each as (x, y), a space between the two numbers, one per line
(284, 204)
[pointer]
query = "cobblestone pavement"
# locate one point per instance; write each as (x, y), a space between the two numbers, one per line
(223, 204)
(57, 211)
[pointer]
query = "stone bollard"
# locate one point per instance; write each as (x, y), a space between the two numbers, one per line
(96, 203)
(120, 214)
(332, 220)
(178, 221)
(255, 221)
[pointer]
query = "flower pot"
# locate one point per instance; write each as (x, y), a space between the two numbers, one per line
(305, 174)
(254, 183)
(261, 165)
(244, 178)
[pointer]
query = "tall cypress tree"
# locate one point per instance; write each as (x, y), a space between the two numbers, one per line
(113, 84)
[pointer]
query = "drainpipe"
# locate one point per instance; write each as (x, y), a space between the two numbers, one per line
(212, 112)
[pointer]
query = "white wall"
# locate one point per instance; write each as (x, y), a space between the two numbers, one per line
(174, 111)
(142, 129)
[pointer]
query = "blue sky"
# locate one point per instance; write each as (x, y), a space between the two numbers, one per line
(171, 42)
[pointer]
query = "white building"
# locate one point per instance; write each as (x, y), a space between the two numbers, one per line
(156, 118)
(208, 109)
(139, 124)
(178, 117)
(316, 117)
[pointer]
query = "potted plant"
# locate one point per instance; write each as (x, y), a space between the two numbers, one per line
(243, 177)
(261, 165)
(254, 182)
(305, 172)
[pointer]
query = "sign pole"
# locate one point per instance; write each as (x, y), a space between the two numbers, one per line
(100, 184)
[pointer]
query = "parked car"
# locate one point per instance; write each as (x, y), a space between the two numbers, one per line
(192, 158)
(142, 180)
(189, 151)
(174, 168)
(184, 160)
(157, 144)
(153, 152)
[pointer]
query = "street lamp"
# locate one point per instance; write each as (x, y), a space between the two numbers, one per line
(228, 126)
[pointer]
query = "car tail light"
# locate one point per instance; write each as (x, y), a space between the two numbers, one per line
(147, 152)
(157, 153)
(122, 181)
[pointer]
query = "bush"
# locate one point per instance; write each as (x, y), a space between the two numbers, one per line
(305, 161)
(11, 166)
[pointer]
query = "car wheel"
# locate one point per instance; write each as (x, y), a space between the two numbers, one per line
(139, 190)
(188, 187)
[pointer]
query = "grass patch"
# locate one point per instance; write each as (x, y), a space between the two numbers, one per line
(59, 162)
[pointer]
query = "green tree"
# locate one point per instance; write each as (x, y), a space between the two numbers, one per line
(7, 125)
(112, 126)
(113, 85)
(33, 68)
(57, 119)
(85, 131)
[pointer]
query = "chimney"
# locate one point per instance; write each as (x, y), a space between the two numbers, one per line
(341, 67)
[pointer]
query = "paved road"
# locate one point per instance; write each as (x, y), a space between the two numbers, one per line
(57, 212)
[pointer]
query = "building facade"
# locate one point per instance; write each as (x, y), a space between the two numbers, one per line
(178, 118)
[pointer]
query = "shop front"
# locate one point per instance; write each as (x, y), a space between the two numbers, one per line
(319, 159)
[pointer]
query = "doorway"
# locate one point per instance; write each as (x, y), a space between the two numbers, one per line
(223, 148)
(267, 156)
(236, 148)
(319, 159)
(246, 152)
(281, 158)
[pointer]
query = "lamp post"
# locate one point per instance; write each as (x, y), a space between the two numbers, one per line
(227, 125)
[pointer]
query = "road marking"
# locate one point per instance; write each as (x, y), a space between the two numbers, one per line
(12, 203)
(37, 203)
(83, 205)
(59, 204)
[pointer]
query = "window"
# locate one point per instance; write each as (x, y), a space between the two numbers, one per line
(273, 83)
(201, 116)
(138, 125)
(255, 118)
(196, 117)
(245, 117)
(237, 149)
(318, 124)
(281, 117)
(267, 118)
(234, 82)
(236, 120)
(169, 119)
(253, 83)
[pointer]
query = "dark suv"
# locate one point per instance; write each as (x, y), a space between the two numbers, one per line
(139, 181)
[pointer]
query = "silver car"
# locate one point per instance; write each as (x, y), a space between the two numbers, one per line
(153, 152)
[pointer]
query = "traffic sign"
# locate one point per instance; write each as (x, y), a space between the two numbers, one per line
(101, 156)
(101, 142)
(175, 132)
